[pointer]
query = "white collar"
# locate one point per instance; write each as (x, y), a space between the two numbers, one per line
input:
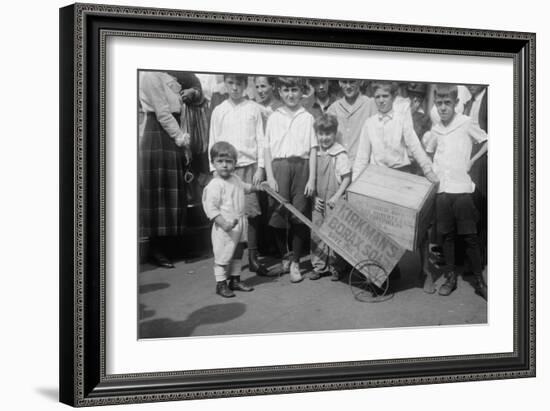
(389, 114)
(458, 121)
(333, 150)
(284, 110)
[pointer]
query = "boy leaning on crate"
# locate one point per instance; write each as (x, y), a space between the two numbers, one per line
(452, 140)
(388, 137)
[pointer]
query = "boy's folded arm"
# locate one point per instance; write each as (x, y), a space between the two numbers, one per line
(480, 152)
(479, 136)
(476, 133)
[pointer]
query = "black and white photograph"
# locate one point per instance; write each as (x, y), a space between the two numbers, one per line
(256, 205)
(282, 204)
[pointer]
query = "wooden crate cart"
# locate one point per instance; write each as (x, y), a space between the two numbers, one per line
(386, 213)
(401, 205)
(371, 252)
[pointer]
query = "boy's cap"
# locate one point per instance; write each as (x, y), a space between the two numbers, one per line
(418, 88)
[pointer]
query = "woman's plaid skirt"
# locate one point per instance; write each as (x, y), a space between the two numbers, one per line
(162, 193)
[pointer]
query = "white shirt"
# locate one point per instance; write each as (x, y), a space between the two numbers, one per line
(453, 148)
(290, 133)
(242, 126)
(402, 105)
(225, 197)
(159, 94)
(386, 139)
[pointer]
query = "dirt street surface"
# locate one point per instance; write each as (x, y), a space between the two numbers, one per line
(182, 302)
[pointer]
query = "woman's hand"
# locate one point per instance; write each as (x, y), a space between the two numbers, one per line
(188, 94)
(183, 140)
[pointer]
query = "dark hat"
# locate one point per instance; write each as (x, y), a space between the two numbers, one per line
(418, 88)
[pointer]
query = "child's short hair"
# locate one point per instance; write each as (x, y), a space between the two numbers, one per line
(239, 77)
(326, 123)
(391, 86)
(446, 90)
(315, 80)
(417, 90)
(291, 82)
(223, 149)
(270, 79)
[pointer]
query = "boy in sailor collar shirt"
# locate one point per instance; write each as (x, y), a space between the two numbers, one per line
(452, 140)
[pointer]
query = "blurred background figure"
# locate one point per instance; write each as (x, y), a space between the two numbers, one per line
(476, 109)
(421, 120)
(319, 102)
(266, 95)
(402, 101)
(352, 110)
(164, 158)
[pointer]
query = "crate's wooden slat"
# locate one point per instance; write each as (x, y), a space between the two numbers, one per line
(397, 202)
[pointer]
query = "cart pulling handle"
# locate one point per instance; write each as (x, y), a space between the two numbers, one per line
(285, 203)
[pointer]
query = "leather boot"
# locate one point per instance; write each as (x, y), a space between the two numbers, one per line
(223, 290)
(450, 285)
(236, 284)
(480, 286)
(254, 265)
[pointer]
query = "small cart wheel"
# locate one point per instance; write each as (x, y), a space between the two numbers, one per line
(362, 285)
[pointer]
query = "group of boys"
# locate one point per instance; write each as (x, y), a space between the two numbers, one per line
(310, 148)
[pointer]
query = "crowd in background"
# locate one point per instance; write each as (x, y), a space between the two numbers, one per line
(183, 114)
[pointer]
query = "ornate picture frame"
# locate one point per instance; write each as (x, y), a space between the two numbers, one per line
(84, 30)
